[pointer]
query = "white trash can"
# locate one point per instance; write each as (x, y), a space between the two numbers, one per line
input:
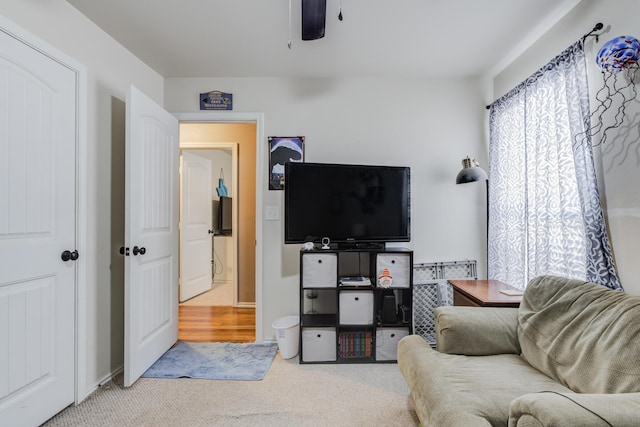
(288, 335)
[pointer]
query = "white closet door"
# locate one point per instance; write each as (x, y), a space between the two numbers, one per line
(37, 224)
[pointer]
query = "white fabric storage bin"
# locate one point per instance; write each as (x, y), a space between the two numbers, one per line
(318, 344)
(387, 342)
(319, 270)
(399, 266)
(356, 307)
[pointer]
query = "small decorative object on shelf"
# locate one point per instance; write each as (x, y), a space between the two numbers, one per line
(385, 279)
(325, 243)
(312, 295)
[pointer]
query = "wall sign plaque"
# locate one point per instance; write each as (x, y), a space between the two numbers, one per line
(216, 100)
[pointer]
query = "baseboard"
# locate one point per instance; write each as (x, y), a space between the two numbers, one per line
(246, 305)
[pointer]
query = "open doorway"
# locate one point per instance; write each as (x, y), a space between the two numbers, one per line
(208, 219)
(223, 308)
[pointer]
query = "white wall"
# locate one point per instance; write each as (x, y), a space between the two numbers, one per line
(425, 124)
(111, 69)
(618, 161)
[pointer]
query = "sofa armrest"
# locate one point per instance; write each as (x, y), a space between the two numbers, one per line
(564, 409)
(477, 331)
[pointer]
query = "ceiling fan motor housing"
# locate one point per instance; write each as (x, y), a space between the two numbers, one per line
(314, 14)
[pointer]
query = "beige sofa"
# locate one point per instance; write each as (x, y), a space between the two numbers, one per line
(569, 356)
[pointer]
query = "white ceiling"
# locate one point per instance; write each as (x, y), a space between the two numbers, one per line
(248, 38)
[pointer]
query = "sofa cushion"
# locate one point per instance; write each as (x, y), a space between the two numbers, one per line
(456, 390)
(581, 334)
(477, 331)
(575, 409)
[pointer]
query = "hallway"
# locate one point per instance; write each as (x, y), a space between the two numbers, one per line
(216, 324)
(210, 317)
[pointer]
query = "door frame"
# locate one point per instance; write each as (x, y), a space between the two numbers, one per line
(82, 206)
(233, 146)
(258, 119)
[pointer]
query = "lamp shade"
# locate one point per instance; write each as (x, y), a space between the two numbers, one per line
(471, 172)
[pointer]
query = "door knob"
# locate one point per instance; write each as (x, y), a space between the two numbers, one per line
(68, 255)
(211, 231)
(137, 250)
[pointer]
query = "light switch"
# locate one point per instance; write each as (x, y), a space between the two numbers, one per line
(272, 213)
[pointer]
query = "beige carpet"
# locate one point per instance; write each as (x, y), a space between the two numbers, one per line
(290, 395)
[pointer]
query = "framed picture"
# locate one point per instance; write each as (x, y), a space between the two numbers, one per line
(283, 149)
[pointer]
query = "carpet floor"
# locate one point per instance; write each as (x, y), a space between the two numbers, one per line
(289, 395)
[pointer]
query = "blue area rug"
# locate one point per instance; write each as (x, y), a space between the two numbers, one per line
(215, 361)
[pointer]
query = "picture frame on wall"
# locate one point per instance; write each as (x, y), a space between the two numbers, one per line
(282, 150)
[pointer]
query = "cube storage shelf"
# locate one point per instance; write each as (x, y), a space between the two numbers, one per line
(347, 316)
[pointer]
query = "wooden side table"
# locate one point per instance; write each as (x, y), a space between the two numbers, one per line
(483, 293)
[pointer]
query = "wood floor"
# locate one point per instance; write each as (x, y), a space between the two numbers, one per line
(216, 324)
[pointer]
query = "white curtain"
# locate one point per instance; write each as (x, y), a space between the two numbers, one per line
(544, 208)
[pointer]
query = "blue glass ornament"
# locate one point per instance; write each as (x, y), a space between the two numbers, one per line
(618, 54)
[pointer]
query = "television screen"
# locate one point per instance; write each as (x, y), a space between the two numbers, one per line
(346, 203)
(225, 217)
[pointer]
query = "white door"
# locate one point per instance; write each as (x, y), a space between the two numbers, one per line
(196, 229)
(151, 234)
(37, 224)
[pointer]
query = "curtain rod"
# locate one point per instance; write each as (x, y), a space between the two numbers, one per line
(597, 27)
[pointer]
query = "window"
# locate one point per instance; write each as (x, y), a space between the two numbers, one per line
(544, 210)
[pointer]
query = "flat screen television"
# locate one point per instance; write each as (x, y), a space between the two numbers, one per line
(221, 218)
(349, 204)
(225, 215)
